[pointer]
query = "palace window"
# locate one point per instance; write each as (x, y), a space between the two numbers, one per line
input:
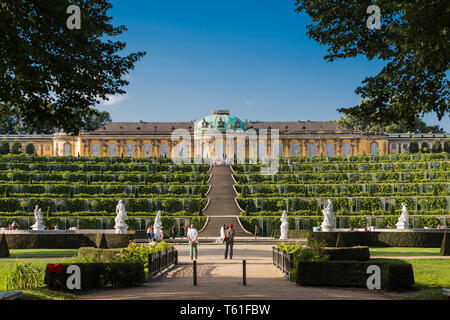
(112, 150)
(95, 149)
(261, 150)
(394, 146)
(374, 148)
(67, 149)
(146, 149)
(329, 149)
(164, 149)
(312, 149)
(294, 149)
(346, 149)
(130, 150)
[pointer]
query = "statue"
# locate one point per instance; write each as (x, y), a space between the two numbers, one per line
(39, 222)
(403, 220)
(284, 226)
(121, 226)
(328, 221)
(157, 227)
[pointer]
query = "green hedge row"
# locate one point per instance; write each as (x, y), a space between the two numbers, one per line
(97, 253)
(65, 241)
(395, 275)
(21, 176)
(347, 254)
(99, 275)
(355, 177)
(422, 239)
(191, 205)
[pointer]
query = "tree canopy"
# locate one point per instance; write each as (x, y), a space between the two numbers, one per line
(413, 41)
(52, 77)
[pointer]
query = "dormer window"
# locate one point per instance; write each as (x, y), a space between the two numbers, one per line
(221, 124)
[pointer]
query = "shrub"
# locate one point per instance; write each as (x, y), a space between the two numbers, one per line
(4, 250)
(29, 149)
(413, 146)
(394, 275)
(16, 147)
(4, 147)
(99, 275)
(436, 146)
(25, 276)
(97, 255)
(445, 246)
(348, 254)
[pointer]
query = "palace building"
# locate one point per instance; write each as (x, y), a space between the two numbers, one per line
(206, 138)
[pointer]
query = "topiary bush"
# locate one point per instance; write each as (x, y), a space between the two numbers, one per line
(348, 254)
(4, 250)
(445, 246)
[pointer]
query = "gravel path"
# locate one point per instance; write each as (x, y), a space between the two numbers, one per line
(222, 279)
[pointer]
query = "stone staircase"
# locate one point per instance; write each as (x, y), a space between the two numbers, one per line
(222, 208)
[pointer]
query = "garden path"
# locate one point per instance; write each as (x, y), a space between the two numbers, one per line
(222, 279)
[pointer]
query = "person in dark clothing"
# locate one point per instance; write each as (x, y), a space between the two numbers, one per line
(182, 229)
(229, 241)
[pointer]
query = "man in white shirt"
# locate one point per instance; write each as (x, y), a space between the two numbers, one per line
(192, 236)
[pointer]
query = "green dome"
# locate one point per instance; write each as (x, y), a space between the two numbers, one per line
(220, 120)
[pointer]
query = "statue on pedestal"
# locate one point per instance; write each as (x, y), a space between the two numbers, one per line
(403, 220)
(157, 227)
(121, 226)
(328, 221)
(39, 222)
(284, 226)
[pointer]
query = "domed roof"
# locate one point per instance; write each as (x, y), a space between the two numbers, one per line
(220, 120)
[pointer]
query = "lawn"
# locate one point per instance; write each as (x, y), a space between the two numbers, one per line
(397, 252)
(31, 294)
(42, 253)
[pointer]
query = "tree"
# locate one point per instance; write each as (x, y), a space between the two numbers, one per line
(425, 147)
(447, 145)
(97, 121)
(350, 122)
(413, 146)
(16, 147)
(4, 147)
(52, 77)
(30, 149)
(436, 147)
(413, 41)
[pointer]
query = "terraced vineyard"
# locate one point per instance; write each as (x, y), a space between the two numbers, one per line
(366, 190)
(83, 192)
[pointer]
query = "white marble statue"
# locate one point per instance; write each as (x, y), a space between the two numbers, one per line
(284, 226)
(39, 222)
(328, 221)
(157, 227)
(403, 220)
(121, 226)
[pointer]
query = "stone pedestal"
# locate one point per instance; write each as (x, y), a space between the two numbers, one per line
(402, 225)
(327, 227)
(284, 233)
(121, 229)
(38, 226)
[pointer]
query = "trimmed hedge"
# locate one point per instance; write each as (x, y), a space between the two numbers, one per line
(99, 275)
(445, 246)
(395, 275)
(65, 241)
(4, 250)
(348, 254)
(292, 234)
(96, 253)
(421, 239)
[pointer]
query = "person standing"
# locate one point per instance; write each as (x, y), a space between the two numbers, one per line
(182, 231)
(229, 241)
(150, 233)
(222, 234)
(192, 236)
(256, 231)
(174, 232)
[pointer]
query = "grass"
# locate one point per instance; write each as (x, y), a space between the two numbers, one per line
(32, 294)
(430, 276)
(42, 253)
(396, 252)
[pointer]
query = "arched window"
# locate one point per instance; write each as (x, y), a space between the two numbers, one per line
(294, 149)
(277, 149)
(180, 148)
(164, 149)
(67, 149)
(261, 150)
(374, 148)
(112, 150)
(95, 149)
(329, 149)
(312, 149)
(147, 149)
(130, 150)
(346, 149)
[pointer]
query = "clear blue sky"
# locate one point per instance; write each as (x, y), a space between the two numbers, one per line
(251, 57)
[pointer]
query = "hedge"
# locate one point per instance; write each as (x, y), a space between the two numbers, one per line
(348, 254)
(65, 241)
(445, 246)
(394, 275)
(99, 275)
(423, 239)
(96, 253)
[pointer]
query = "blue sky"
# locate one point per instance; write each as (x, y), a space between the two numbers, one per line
(251, 57)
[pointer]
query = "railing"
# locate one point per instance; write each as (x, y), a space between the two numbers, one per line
(161, 261)
(282, 261)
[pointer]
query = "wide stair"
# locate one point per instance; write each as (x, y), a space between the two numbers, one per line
(222, 208)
